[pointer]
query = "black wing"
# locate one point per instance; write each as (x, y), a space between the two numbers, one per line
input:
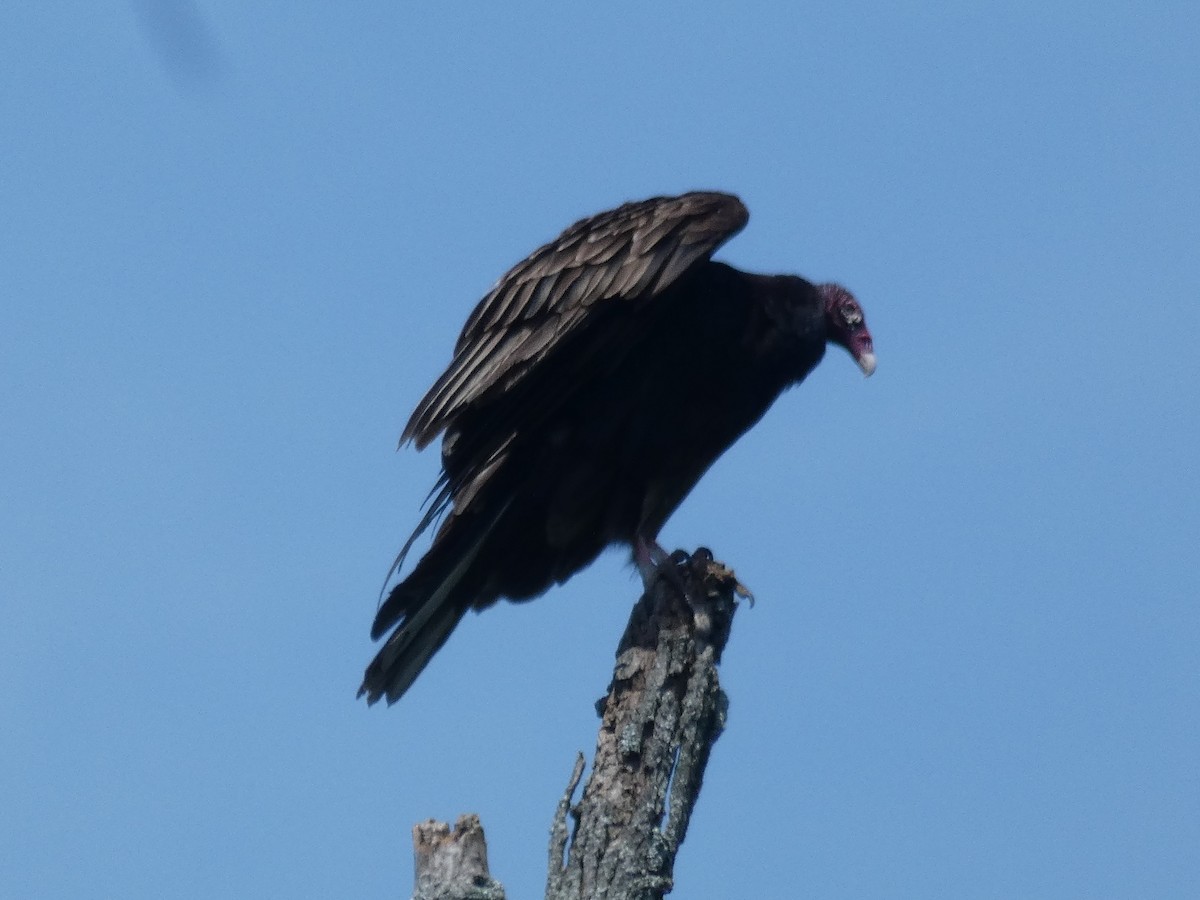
(632, 253)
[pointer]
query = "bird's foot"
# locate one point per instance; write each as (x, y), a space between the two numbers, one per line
(697, 577)
(656, 563)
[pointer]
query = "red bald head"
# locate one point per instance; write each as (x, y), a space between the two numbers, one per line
(846, 325)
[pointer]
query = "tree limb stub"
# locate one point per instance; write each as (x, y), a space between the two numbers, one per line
(452, 865)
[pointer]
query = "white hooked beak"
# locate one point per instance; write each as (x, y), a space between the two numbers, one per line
(866, 362)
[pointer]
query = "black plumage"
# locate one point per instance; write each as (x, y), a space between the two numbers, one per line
(589, 392)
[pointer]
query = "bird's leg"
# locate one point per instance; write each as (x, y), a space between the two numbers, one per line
(651, 560)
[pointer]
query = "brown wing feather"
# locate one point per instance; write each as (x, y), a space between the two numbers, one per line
(631, 253)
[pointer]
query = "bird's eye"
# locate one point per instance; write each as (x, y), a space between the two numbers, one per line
(852, 315)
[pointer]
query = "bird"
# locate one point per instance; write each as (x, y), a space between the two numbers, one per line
(589, 391)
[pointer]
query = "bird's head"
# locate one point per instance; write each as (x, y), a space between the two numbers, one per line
(846, 325)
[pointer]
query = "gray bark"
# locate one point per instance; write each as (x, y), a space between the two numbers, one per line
(663, 712)
(452, 865)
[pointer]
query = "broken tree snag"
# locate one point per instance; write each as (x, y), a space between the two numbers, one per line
(452, 865)
(664, 711)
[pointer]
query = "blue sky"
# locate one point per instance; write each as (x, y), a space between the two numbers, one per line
(237, 244)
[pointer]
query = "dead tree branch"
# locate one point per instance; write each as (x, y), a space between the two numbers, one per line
(663, 712)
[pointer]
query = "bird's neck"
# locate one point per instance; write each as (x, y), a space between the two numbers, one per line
(787, 330)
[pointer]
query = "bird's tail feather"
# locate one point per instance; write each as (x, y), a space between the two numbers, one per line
(428, 604)
(408, 651)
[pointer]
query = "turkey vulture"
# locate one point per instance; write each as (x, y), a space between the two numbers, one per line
(589, 391)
